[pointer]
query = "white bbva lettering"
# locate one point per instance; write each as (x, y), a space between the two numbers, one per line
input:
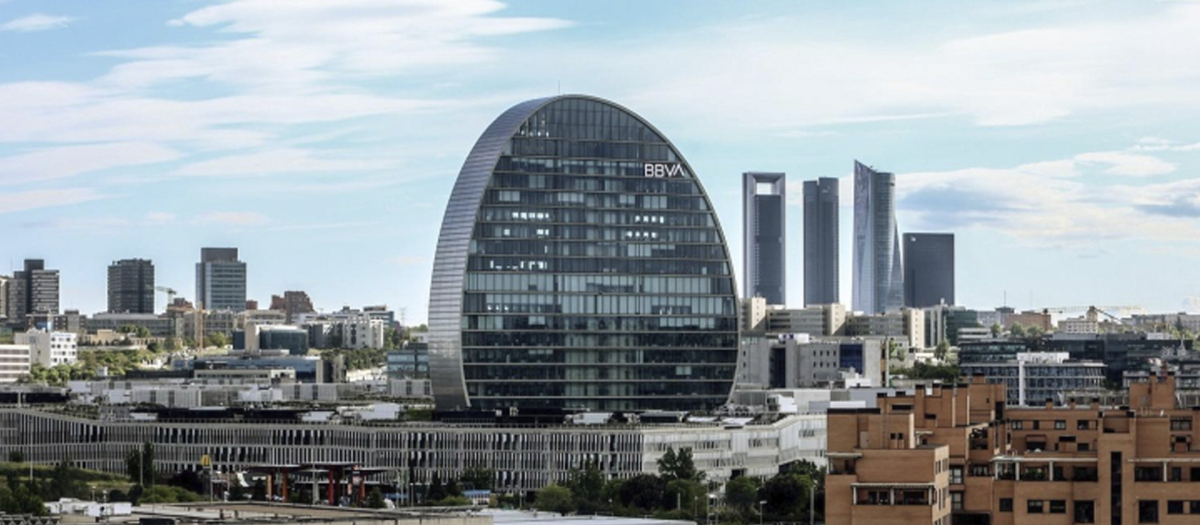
(663, 170)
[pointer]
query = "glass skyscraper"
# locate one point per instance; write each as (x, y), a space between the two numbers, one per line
(764, 213)
(928, 269)
(821, 284)
(878, 279)
(580, 264)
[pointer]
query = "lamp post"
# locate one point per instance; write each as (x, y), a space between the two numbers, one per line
(760, 511)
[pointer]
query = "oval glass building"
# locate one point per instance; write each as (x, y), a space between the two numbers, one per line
(580, 265)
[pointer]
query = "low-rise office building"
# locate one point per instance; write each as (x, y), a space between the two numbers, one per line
(49, 348)
(158, 325)
(802, 362)
(524, 457)
(907, 325)
(1034, 377)
(816, 320)
(14, 362)
(958, 455)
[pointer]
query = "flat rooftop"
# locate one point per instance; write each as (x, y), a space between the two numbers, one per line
(263, 513)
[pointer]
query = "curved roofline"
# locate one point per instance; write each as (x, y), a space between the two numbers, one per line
(458, 221)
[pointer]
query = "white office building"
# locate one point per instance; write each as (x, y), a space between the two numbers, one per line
(50, 348)
(14, 362)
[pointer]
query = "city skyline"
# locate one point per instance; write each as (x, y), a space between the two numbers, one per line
(1068, 165)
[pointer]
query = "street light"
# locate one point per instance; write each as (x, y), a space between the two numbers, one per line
(760, 511)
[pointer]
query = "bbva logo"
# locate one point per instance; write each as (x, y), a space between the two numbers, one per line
(663, 170)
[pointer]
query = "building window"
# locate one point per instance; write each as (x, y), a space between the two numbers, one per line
(956, 501)
(1082, 424)
(1148, 511)
(1175, 474)
(1181, 423)
(1033, 506)
(1084, 447)
(1194, 507)
(1037, 425)
(1147, 474)
(1058, 506)
(1175, 506)
(1006, 505)
(956, 475)
(1018, 425)
(1060, 425)
(1085, 512)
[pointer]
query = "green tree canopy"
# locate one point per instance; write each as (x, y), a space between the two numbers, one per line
(587, 487)
(478, 477)
(741, 493)
(375, 499)
(555, 498)
(679, 465)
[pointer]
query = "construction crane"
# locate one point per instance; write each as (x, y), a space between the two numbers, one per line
(170, 293)
(1122, 310)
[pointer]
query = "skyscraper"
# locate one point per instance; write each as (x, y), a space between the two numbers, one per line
(580, 264)
(221, 280)
(764, 236)
(878, 278)
(33, 290)
(928, 269)
(131, 286)
(821, 285)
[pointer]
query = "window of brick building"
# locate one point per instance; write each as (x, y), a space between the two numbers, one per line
(1148, 511)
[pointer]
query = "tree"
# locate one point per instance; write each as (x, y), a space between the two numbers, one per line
(375, 499)
(997, 329)
(587, 487)
(942, 351)
(786, 495)
(643, 491)
(1017, 330)
(453, 489)
(1034, 332)
(741, 493)
(679, 466)
(554, 498)
(20, 499)
(16, 456)
(139, 464)
(478, 477)
(684, 494)
(65, 482)
(217, 339)
(437, 491)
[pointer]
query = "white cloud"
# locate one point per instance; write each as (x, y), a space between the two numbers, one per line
(36, 22)
(1161, 144)
(35, 199)
(296, 45)
(786, 73)
(1127, 163)
(276, 161)
(1049, 203)
(66, 161)
(104, 225)
(233, 218)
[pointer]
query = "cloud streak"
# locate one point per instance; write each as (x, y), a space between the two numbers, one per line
(36, 22)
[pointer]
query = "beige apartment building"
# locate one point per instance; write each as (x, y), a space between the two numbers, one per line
(956, 455)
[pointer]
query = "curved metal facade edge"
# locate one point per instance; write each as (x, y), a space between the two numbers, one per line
(450, 260)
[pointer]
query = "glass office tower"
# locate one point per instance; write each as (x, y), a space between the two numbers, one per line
(764, 236)
(821, 284)
(878, 277)
(580, 264)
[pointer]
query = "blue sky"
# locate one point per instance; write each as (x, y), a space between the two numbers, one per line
(1059, 140)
